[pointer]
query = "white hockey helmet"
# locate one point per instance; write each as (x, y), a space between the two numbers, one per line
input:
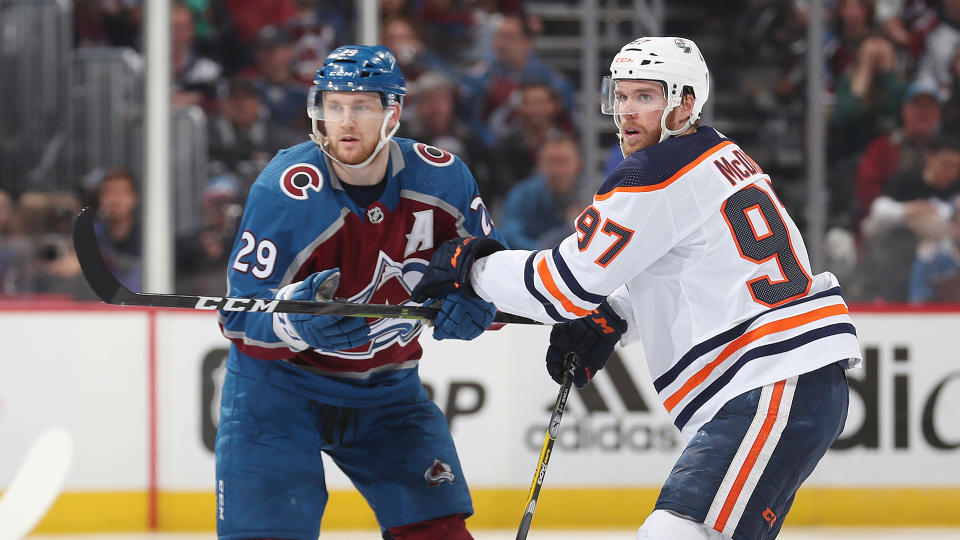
(673, 61)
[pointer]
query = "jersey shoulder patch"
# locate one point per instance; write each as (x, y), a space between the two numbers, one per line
(657, 166)
(416, 153)
(433, 155)
(295, 172)
(432, 170)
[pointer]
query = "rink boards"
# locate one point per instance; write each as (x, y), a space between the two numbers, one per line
(138, 389)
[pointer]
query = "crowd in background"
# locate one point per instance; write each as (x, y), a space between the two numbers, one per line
(478, 88)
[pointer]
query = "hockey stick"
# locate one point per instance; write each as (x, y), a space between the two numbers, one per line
(111, 291)
(552, 429)
(36, 484)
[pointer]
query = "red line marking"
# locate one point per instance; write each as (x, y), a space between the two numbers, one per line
(152, 422)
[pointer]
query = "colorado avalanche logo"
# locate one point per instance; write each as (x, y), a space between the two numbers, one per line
(297, 179)
(438, 473)
(389, 274)
(433, 155)
(682, 45)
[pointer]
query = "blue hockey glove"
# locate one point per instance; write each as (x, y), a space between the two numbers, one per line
(449, 269)
(327, 332)
(463, 317)
(592, 338)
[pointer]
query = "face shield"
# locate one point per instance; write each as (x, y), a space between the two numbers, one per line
(350, 108)
(625, 96)
(342, 106)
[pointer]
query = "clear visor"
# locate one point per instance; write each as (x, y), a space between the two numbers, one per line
(626, 96)
(340, 106)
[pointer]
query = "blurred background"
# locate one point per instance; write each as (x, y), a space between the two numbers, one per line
(851, 106)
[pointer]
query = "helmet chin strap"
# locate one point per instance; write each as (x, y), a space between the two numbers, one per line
(666, 132)
(323, 142)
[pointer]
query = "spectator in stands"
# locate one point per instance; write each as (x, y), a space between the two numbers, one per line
(514, 61)
(914, 208)
(402, 36)
(105, 23)
(538, 113)
(396, 8)
(951, 110)
(249, 17)
(936, 271)
(15, 249)
(241, 140)
(118, 229)
(540, 210)
(902, 149)
(195, 77)
(429, 117)
(7, 215)
(203, 256)
(283, 95)
(486, 18)
(448, 27)
(316, 28)
(940, 46)
(906, 24)
(868, 99)
(852, 25)
(53, 268)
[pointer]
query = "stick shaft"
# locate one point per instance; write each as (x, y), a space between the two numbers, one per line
(547, 448)
(111, 291)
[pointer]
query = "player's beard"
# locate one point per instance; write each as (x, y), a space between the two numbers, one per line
(356, 154)
(639, 140)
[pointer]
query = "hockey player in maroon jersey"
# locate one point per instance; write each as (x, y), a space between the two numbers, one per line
(357, 214)
(687, 249)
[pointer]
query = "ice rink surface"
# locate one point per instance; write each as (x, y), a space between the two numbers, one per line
(799, 533)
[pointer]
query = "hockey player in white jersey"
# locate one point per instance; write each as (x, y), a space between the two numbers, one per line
(687, 249)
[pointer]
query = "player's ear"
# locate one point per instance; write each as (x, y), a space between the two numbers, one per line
(686, 104)
(397, 110)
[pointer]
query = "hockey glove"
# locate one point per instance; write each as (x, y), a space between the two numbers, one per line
(592, 338)
(449, 269)
(327, 332)
(463, 317)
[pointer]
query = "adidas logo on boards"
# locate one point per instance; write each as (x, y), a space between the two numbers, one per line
(612, 415)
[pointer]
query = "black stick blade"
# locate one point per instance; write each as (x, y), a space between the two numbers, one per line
(94, 267)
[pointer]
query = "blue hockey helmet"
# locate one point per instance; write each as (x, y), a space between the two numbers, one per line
(358, 68)
(361, 68)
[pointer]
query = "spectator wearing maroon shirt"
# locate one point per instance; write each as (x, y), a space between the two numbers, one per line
(902, 149)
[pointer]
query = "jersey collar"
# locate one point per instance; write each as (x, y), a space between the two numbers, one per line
(391, 194)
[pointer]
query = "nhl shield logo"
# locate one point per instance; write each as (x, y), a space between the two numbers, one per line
(438, 473)
(682, 45)
(375, 214)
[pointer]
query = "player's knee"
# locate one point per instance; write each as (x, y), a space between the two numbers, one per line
(441, 528)
(667, 525)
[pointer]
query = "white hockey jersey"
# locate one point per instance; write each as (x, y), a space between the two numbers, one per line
(691, 246)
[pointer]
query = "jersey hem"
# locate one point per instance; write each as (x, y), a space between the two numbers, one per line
(326, 390)
(731, 391)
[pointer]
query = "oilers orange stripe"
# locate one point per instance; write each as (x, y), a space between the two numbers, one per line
(668, 181)
(748, 463)
(753, 335)
(544, 272)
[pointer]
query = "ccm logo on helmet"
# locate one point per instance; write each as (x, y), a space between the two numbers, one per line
(297, 179)
(433, 155)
